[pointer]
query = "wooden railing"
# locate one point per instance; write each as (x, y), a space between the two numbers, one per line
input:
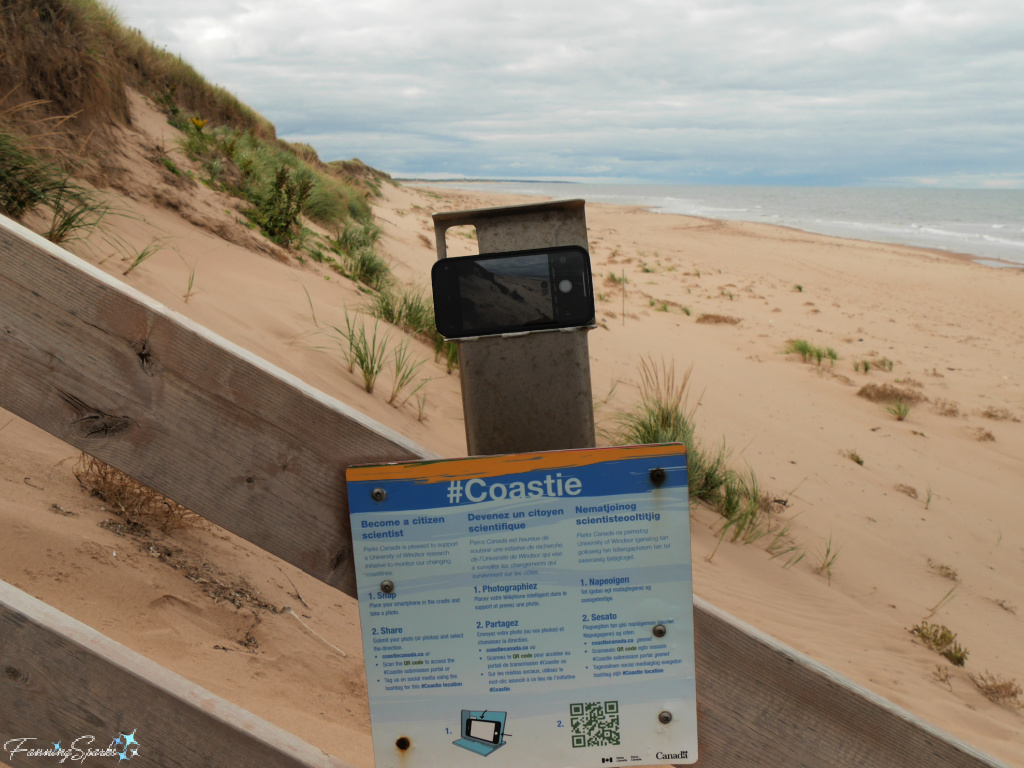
(260, 453)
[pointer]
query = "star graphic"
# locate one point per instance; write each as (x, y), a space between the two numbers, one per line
(118, 740)
(56, 747)
(122, 756)
(129, 738)
(135, 751)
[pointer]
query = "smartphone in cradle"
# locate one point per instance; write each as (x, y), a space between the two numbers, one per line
(513, 292)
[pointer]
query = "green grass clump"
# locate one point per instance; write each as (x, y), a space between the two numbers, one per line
(26, 182)
(661, 417)
(899, 409)
(854, 456)
(31, 184)
(409, 309)
(367, 352)
(828, 559)
(281, 181)
(277, 209)
(745, 509)
(808, 351)
(942, 640)
(405, 369)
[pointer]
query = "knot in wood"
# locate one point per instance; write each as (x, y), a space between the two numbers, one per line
(14, 675)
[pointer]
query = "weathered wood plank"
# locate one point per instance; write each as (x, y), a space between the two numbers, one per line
(62, 680)
(201, 420)
(761, 703)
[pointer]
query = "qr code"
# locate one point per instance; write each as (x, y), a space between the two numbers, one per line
(595, 724)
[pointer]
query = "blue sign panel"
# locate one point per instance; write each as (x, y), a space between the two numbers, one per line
(531, 609)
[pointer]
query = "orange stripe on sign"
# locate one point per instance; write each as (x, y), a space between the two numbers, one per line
(446, 470)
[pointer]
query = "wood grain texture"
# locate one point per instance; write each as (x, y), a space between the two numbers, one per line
(199, 419)
(61, 680)
(761, 703)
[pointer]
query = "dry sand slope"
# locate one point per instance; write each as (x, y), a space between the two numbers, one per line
(937, 492)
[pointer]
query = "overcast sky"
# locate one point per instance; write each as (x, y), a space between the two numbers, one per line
(858, 92)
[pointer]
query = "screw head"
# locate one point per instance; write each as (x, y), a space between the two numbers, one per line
(387, 586)
(378, 494)
(660, 630)
(403, 743)
(665, 717)
(657, 476)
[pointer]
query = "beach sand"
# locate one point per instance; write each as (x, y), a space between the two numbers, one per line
(940, 491)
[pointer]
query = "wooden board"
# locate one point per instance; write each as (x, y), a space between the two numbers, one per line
(761, 703)
(178, 408)
(61, 681)
(259, 452)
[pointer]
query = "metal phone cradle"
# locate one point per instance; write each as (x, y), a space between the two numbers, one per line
(529, 391)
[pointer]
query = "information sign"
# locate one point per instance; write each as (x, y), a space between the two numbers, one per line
(531, 609)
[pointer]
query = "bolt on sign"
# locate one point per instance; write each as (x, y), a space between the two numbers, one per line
(534, 609)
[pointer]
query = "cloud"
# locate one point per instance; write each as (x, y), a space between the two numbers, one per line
(669, 90)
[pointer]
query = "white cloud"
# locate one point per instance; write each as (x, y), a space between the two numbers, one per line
(672, 90)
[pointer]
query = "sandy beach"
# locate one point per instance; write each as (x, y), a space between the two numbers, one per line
(924, 515)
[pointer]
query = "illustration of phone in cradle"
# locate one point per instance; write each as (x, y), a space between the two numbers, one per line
(482, 732)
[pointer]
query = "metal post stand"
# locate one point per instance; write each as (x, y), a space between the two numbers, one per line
(527, 392)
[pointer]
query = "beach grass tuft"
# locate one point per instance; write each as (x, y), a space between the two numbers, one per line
(853, 456)
(404, 368)
(154, 247)
(809, 351)
(900, 410)
(828, 559)
(664, 416)
(942, 640)
(369, 353)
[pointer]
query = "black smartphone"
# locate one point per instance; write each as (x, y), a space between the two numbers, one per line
(513, 292)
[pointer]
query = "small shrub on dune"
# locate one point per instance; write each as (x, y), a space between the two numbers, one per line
(1000, 690)
(884, 393)
(713, 319)
(942, 640)
(277, 211)
(999, 414)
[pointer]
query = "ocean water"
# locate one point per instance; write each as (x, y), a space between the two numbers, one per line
(987, 224)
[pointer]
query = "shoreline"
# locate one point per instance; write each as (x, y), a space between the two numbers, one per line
(994, 262)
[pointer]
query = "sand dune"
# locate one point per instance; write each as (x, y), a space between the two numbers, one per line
(936, 493)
